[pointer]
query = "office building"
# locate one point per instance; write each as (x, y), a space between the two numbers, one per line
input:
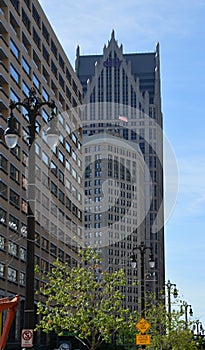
(31, 56)
(121, 95)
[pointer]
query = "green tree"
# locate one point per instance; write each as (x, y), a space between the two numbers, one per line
(83, 301)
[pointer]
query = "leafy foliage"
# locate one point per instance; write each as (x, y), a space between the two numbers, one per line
(83, 301)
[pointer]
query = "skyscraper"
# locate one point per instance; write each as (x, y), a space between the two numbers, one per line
(121, 96)
(31, 56)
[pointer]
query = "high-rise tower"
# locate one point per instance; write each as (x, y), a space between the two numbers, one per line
(121, 96)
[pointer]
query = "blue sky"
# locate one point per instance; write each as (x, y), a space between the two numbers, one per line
(179, 28)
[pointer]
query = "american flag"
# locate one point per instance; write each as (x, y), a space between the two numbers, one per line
(123, 118)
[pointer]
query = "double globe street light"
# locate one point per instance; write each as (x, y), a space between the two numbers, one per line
(142, 250)
(32, 105)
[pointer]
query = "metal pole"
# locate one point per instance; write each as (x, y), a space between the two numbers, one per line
(142, 254)
(29, 313)
(169, 304)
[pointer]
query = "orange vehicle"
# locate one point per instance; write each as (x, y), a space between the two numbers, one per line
(10, 304)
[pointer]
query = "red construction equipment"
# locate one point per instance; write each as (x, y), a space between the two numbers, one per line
(10, 304)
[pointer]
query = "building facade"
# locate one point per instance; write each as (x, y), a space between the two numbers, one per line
(121, 94)
(31, 56)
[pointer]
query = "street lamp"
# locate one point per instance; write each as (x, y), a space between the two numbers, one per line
(142, 249)
(186, 306)
(198, 327)
(32, 104)
(169, 286)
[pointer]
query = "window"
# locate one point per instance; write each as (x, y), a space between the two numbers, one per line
(74, 138)
(45, 158)
(15, 4)
(61, 176)
(36, 60)
(3, 190)
(36, 38)
(61, 62)
(53, 249)
(45, 115)
(26, 20)
(54, 68)
(68, 75)
(2, 216)
(14, 97)
(22, 278)
(46, 54)
(45, 32)
(68, 147)
(36, 81)
(3, 163)
(25, 43)
(61, 81)
(53, 168)
(25, 88)
(53, 209)
(35, 15)
(26, 66)
(1, 270)
(61, 156)
(45, 94)
(12, 274)
(54, 48)
(27, 2)
(14, 74)
(61, 196)
(2, 242)
(68, 93)
(53, 188)
(14, 49)
(14, 198)
(12, 248)
(14, 173)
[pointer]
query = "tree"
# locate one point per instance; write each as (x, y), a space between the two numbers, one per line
(84, 301)
(166, 331)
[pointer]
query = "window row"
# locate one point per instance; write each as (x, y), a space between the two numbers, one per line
(52, 46)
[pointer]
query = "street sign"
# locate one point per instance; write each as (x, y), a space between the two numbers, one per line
(27, 338)
(143, 325)
(142, 339)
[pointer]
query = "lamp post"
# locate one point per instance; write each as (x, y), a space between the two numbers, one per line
(32, 104)
(186, 306)
(169, 286)
(142, 249)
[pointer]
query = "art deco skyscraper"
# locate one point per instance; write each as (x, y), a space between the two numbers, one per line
(121, 96)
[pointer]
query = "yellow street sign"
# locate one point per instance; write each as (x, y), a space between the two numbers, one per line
(142, 339)
(143, 325)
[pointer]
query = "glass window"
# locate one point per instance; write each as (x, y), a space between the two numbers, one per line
(22, 278)
(26, 66)
(3, 190)
(14, 173)
(61, 156)
(36, 81)
(2, 242)
(14, 49)
(45, 94)
(45, 158)
(25, 88)
(1, 270)
(12, 248)
(45, 32)
(14, 198)
(26, 20)
(3, 163)
(12, 274)
(14, 74)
